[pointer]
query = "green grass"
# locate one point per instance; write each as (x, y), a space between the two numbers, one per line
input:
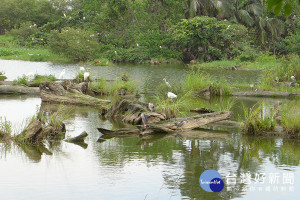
(172, 108)
(10, 51)
(254, 123)
(29, 54)
(290, 118)
(24, 80)
(218, 63)
(119, 84)
(5, 128)
(197, 80)
(41, 78)
(99, 87)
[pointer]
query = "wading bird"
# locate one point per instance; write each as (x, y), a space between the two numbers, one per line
(293, 78)
(62, 73)
(86, 76)
(167, 83)
(144, 120)
(252, 86)
(172, 95)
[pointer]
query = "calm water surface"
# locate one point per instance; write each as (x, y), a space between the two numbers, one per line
(154, 167)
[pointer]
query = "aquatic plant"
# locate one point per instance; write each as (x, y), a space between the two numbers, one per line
(254, 123)
(198, 80)
(5, 128)
(99, 87)
(172, 108)
(41, 78)
(290, 118)
(119, 84)
(23, 80)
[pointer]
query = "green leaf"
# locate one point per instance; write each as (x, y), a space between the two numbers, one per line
(274, 3)
(287, 9)
(278, 8)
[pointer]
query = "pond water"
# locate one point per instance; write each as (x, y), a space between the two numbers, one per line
(152, 167)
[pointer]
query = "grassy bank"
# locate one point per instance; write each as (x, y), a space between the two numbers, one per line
(11, 51)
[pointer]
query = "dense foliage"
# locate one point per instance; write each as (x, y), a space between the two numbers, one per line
(138, 31)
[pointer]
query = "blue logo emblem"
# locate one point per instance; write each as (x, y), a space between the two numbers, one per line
(211, 181)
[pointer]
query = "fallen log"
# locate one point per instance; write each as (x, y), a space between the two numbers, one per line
(190, 122)
(18, 89)
(202, 110)
(171, 127)
(122, 131)
(55, 93)
(267, 94)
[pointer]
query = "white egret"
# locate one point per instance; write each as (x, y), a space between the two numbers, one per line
(82, 69)
(293, 78)
(62, 73)
(86, 76)
(167, 83)
(172, 95)
(252, 86)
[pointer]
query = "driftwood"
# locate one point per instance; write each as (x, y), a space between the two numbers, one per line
(36, 131)
(171, 127)
(267, 94)
(18, 89)
(79, 138)
(55, 92)
(123, 131)
(130, 112)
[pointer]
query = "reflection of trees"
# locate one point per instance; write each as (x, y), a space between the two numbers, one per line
(186, 160)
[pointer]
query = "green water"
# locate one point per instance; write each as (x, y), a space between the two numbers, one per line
(152, 167)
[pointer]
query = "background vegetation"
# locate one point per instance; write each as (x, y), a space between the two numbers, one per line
(138, 31)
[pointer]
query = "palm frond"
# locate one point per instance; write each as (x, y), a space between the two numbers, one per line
(276, 27)
(194, 5)
(255, 8)
(245, 17)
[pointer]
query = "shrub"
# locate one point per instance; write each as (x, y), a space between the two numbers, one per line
(207, 38)
(23, 34)
(76, 44)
